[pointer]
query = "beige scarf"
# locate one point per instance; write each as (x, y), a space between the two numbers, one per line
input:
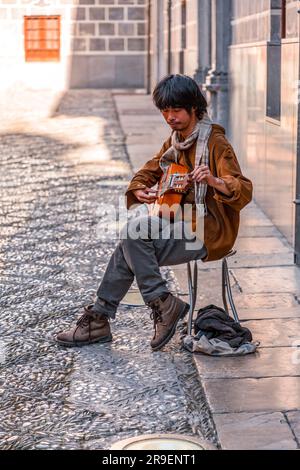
(201, 133)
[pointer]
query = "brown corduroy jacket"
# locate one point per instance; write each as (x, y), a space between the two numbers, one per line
(221, 224)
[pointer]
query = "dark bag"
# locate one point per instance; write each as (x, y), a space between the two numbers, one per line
(214, 322)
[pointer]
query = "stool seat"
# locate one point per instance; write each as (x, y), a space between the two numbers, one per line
(226, 289)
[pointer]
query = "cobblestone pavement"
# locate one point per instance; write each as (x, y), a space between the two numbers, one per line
(55, 173)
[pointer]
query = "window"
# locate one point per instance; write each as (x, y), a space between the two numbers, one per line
(42, 38)
(278, 32)
(274, 81)
(283, 19)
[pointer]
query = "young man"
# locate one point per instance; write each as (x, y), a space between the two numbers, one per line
(218, 184)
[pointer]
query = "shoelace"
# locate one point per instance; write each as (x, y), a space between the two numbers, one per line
(85, 319)
(155, 315)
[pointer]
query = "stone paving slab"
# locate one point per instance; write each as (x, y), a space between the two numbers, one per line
(266, 362)
(153, 139)
(268, 313)
(254, 431)
(262, 394)
(258, 231)
(261, 300)
(257, 219)
(293, 417)
(270, 279)
(140, 154)
(275, 332)
(263, 260)
(261, 245)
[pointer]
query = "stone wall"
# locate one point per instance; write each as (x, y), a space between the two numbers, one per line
(260, 20)
(292, 19)
(252, 20)
(107, 26)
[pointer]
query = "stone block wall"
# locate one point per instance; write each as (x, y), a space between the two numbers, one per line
(107, 26)
(292, 19)
(252, 20)
(260, 20)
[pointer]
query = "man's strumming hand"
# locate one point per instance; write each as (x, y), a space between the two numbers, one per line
(146, 195)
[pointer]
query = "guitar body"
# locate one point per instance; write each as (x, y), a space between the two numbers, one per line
(172, 186)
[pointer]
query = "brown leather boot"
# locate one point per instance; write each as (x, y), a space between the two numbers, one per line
(166, 315)
(90, 328)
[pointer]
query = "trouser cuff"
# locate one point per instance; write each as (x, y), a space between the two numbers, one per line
(101, 307)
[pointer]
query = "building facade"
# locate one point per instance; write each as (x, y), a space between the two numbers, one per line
(73, 43)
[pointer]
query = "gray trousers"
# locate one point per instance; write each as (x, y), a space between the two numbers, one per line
(139, 255)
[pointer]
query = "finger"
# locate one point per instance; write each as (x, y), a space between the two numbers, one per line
(147, 199)
(150, 191)
(145, 195)
(202, 179)
(202, 172)
(149, 196)
(148, 202)
(200, 166)
(197, 174)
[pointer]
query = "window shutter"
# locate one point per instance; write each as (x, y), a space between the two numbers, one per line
(42, 38)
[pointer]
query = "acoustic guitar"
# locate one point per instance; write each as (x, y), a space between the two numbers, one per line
(174, 183)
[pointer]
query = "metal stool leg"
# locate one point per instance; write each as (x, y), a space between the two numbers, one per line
(226, 289)
(192, 283)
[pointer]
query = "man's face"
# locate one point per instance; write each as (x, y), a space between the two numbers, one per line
(178, 118)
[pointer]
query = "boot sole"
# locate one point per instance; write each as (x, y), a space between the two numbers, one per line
(171, 334)
(70, 344)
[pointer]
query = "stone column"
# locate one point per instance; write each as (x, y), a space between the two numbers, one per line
(216, 84)
(203, 13)
(160, 40)
(157, 42)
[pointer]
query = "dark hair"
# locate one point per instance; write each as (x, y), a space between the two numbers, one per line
(179, 91)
